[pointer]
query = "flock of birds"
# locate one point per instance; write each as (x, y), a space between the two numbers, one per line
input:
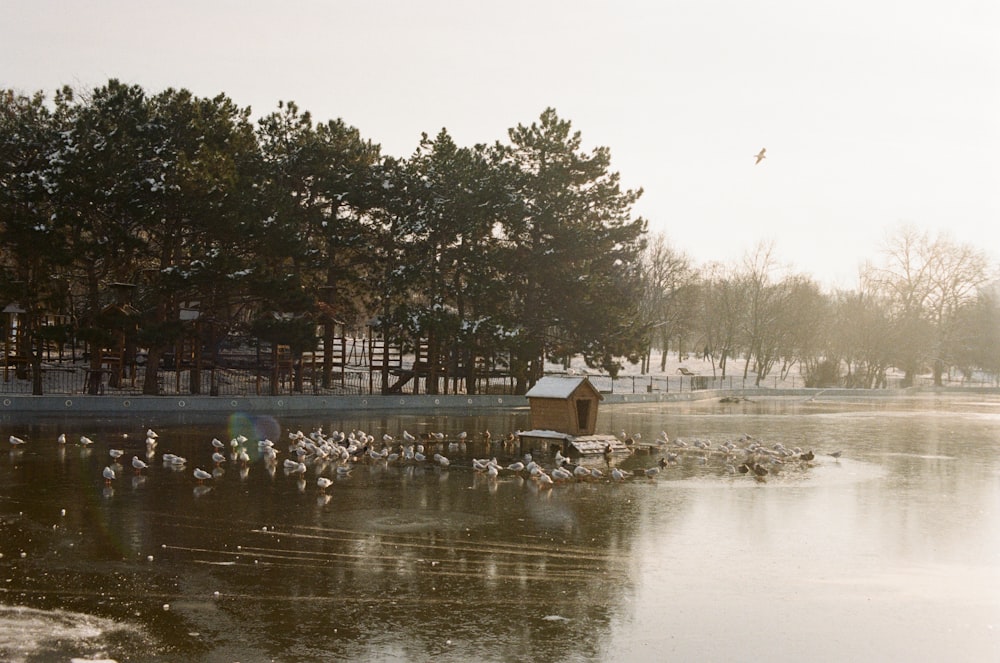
(336, 454)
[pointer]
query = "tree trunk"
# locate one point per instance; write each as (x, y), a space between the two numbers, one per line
(151, 381)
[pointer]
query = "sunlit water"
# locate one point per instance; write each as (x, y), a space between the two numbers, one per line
(889, 553)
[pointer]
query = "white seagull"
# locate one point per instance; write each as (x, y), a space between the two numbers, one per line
(16, 441)
(760, 156)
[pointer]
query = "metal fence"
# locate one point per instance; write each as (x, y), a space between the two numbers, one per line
(77, 378)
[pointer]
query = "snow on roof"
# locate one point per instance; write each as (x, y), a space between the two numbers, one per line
(555, 387)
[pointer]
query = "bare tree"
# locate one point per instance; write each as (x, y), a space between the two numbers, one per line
(667, 305)
(929, 282)
(722, 308)
(761, 309)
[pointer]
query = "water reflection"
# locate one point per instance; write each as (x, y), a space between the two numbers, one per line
(389, 561)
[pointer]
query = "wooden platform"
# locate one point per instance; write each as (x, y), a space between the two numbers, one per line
(572, 445)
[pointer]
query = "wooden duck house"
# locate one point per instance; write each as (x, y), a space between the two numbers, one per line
(564, 414)
(564, 404)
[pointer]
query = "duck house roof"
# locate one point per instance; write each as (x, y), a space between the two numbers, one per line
(559, 387)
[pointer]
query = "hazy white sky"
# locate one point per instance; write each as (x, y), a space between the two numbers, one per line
(874, 113)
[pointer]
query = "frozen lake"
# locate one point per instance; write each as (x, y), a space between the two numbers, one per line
(889, 552)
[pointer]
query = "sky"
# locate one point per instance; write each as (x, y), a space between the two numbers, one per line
(875, 114)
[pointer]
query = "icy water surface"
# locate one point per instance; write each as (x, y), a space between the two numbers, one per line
(890, 552)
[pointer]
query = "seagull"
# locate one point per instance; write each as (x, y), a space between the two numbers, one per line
(323, 482)
(86, 441)
(16, 441)
(760, 155)
(108, 474)
(61, 439)
(561, 474)
(138, 464)
(201, 474)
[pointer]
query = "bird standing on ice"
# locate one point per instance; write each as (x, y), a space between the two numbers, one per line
(760, 156)
(108, 474)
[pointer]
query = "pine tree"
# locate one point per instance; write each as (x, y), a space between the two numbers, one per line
(575, 252)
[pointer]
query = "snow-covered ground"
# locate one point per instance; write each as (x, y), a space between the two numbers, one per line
(680, 373)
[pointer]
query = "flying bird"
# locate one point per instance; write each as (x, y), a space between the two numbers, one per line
(760, 156)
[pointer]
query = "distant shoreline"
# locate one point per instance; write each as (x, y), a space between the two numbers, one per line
(17, 405)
